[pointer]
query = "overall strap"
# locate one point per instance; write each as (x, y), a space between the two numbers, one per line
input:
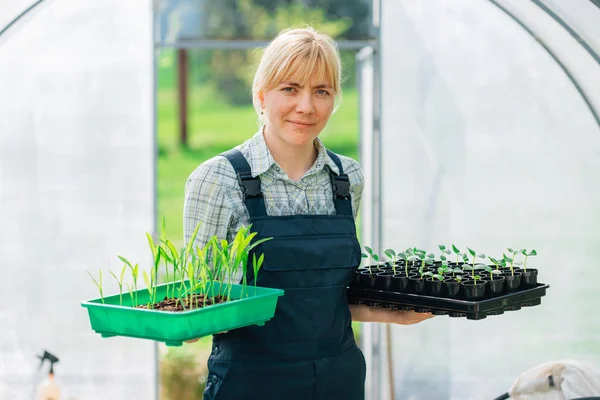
(341, 187)
(253, 197)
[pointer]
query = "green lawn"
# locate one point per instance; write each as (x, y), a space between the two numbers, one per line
(215, 127)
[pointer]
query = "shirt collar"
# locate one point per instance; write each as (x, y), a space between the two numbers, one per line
(261, 160)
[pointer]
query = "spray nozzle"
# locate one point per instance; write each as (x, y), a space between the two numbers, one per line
(50, 357)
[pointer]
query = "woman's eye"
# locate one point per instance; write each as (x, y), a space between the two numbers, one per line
(322, 92)
(288, 89)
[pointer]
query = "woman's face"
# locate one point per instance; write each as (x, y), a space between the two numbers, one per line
(296, 114)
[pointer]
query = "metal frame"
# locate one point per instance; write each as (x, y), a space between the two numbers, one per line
(551, 53)
(207, 44)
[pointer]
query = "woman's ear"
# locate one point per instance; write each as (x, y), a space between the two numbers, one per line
(261, 99)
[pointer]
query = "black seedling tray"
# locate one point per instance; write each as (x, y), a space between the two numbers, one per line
(446, 306)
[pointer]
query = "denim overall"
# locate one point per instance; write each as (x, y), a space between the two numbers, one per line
(307, 351)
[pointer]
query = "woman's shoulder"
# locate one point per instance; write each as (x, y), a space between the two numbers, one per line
(216, 170)
(351, 167)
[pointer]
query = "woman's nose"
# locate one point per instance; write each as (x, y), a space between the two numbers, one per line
(305, 103)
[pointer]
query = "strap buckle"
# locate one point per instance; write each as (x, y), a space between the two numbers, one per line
(341, 187)
(250, 186)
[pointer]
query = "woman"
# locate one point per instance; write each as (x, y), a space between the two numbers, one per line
(289, 187)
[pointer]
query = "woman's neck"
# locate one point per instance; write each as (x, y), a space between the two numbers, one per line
(294, 160)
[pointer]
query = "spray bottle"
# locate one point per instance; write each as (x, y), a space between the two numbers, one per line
(48, 390)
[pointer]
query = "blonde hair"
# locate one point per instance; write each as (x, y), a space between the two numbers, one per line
(299, 53)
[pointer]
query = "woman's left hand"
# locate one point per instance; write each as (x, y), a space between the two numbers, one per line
(405, 317)
(371, 314)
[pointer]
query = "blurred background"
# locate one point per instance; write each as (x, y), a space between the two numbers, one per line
(476, 123)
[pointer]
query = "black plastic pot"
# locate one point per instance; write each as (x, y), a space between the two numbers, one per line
(513, 282)
(355, 281)
(529, 277)
(383, 280)
(368, 279)
(451, 288)
(399, 282)
(416, 284)
(474, 290)
(495, 286)
(433, 287)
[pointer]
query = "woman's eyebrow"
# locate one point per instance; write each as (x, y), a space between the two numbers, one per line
(295, 84)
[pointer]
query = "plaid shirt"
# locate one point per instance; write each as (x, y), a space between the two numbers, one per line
(214, 198)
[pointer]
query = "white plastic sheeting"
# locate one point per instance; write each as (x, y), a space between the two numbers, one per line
(76, 189)
(487, 142)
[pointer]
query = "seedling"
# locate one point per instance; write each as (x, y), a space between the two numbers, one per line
(498, 264)
(510, 260)
(392, 256)
(514, 255)
(426, 259)
(458, 254)
(433, 275)
(98, 284)
(491, 271)
(403, 256)
(120, 282)
(444, 251)
(527, 254)
(475, 256)
(134, 274)
(364, 256)
(372, 255)
(190, 265)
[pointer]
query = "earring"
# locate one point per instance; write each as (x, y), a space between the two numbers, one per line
(262, 111)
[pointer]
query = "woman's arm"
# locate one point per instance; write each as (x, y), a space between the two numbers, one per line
(362, 313)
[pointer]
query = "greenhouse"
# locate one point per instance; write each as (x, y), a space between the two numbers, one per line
(476, 124)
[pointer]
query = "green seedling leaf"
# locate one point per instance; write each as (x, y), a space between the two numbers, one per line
(472, 252)
(369, 250)
(391, 254)
(441, 247)
(455, 249)
(125, 261)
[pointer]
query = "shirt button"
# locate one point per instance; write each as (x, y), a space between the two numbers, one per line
(215, 350)
(277, 169)
(213, 379)
(318, 165)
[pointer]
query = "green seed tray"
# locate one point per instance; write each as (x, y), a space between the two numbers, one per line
(173, 328)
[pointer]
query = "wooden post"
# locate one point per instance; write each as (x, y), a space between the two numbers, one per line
(182, 95)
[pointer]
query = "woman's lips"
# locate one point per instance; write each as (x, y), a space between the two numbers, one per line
(302, 124)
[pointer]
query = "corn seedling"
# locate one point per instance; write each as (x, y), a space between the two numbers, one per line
(134, 274)
(188, 273)
(120, 283)
(98, 284)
